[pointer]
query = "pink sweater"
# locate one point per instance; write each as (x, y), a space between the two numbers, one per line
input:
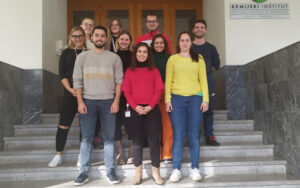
(142, 86)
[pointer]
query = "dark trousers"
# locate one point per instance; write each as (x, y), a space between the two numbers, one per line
(67, 114)
(121, 119)
(151, 124)
(208, 116)
(68, 109)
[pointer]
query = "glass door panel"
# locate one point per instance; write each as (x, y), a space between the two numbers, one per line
(122, 14)
(79, 9)
(183, 14)
(184, 20)
(121, 9)
(79, 15)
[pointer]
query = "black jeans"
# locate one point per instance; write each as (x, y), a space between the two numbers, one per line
(121, 119)
(68, 109)
(67, 114)
(151, 124)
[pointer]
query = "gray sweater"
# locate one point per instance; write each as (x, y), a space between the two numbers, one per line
(97, 74)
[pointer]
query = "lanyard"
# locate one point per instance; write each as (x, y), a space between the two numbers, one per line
(75, 53)
(113, 43)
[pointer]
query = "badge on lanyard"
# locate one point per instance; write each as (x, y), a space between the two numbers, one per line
(127, 112)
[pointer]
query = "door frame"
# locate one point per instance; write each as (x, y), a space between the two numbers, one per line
(135, 7)
(106, 5)
(179, 5)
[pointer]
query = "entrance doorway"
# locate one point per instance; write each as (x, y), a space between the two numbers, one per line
(174, 15)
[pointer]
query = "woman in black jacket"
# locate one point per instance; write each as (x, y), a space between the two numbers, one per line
(76, 45)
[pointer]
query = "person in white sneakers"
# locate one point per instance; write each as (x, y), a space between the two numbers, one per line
(69, 105)
(186, 98)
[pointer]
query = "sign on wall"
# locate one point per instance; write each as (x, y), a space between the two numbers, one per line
(259, 10)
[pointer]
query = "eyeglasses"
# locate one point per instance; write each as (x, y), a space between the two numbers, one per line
(77, 36)
(151, 21)
(87, 24)
(114, 25)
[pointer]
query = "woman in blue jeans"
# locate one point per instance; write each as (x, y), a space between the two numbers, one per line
(186, 96)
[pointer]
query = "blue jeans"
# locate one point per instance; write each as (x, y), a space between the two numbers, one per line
(87, 127)
(186, 115)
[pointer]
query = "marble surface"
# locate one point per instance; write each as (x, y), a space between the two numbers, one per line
(268, 91)
(25, 95)
(231, 91)
(32, 96)
(52, 93)
(11, 97)
(220, 91)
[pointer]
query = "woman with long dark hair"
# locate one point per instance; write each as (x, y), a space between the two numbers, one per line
(160, 51)
(142, 87)
(76, 45)
(186, 99)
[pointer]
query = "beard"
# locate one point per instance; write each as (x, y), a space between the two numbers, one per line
(99, 46)
(199, 36)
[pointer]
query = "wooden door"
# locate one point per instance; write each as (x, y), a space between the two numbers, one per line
(174, 15)
(122, 9)
(183, 14)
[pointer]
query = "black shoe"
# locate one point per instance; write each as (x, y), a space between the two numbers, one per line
(211, 141)
(111, 176)
(81, 179)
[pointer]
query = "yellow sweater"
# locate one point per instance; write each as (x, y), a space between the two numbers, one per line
(186, 78)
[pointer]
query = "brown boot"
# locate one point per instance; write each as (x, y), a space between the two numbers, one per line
(156, 175)
(138, 175)
(130, 153)
(119, 150)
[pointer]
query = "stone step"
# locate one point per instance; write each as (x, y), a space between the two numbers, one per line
(225, 181)
(211, 167)
(50, 129)
(221, 181)
(48, 142)
(54, 118)
(70, 155)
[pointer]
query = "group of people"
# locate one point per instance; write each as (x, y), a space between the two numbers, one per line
(154, 94)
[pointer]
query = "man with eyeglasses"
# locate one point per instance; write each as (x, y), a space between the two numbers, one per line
(152, 24)
(87, 25)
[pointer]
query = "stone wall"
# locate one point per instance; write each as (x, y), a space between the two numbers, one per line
(32, 96)
(52, 92)
(11, 99)
(25, 95)
(268, 91)
(273, 85)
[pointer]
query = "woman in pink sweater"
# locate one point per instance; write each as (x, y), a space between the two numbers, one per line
(142, 87)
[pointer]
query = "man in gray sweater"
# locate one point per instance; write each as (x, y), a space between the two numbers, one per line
(97, 80)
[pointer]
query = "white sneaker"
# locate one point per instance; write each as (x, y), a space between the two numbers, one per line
(195, 174)
(56, 161)
(78, 161)
(130, 160)
(175, 176)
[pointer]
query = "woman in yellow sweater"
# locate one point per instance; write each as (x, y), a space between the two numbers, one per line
(186, 96)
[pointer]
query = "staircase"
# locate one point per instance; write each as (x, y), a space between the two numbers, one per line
(242, 160)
